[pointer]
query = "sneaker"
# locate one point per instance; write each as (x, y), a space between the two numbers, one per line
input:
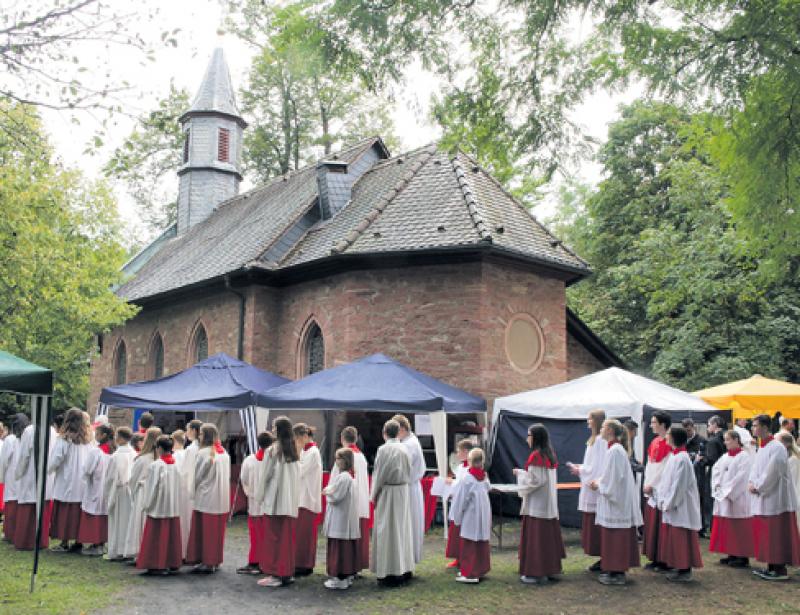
(533, 580)
(249, 569)
(334, 583)
(462, 579)
(202, 569)
(677, 576)
(595, 567)
(772, 575)
(610, 578)
(453, 564)
(270, 582)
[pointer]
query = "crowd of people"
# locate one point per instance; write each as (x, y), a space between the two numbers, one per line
(161, 502)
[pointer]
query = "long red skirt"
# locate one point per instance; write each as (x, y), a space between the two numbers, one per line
(474, 558)
(776, 539)
(363, 544)
(306, 539)
(2, 491)
(256, 526)
(541, 547)
(93, 529)
(342, 558)
(277, 557)
(590, 534)
(206, 538)
(66, 520)
(679, 547)
(619, 549)
(25, 526)
(161, 547)
(652, 526)
(732, 537)
(8, 520)
(453, 540)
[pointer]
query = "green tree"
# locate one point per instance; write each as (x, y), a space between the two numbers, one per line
(148, 159)
(60, 254)
(676, 290)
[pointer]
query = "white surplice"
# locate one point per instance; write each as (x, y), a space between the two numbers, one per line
(249, 477)
(459, 473)
(729, 485)
(309, 473)
(538, 490)
(8, 465)
(416, 503)
(278, 488)
(118, 499)
(161, 494)
(212, 482)
(677, 494)
(361, 470)
(185, 460)
(794, 473)
(392, 540)
(133, 537)
(94, 472)
(618, 495)
(590, 469)
(66, 463)
(472, 511)
(341, 513)
(770, 475)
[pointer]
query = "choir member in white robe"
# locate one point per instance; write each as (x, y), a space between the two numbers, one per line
(25, 476)
(393, 541)
(8, 468)
(453, 538)
(309, 470)
(279, 494)
(416, 502)
(341, 526)
(657, 456)
(117, 493)
(773, 506)
(139, 469)
(161, 552)
(618, 508)
(731, 527)
(250, 477)
(740, 426)
(472, 513)
(93, 532)
(794, 473)
(349, 438)
(66, 463)
(541, 547)
(679, 502)
(187, 462)
(588, 471)
(212, 501)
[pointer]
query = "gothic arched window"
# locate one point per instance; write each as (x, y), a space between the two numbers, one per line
(121, 364)
(157, 356)
(315, 350)
(200, 344)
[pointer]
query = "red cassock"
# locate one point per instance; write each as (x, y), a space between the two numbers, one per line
(257, 527)
(363, 544)
(162, 547)
(66, 520)
(732, 537)
(343, 557)
(619, 549)
(652, 524)
(206, 538)
(9, 516)
(93, 529)
(474, 558)
(306, 539)
(453, 540)
(776, 539)
(590, 534)
(2, 491)
(541, 547)
(25, 526)
(678, 547)
(277, 556)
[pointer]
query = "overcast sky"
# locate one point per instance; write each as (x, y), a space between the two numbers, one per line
(199, 22)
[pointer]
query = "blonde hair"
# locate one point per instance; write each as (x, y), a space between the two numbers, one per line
(179, 437)
(150, 439)
(597, 417)
(476, 458)
(788, 441)
(402, 421)
(620, 433)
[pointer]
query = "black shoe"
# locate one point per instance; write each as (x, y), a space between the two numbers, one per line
(596, 567)
(303, 572)
(249, 569)
(739, 562)
(155, 573)
(727, 561)
(202, 569)
(656, 567)
(76, 548)
(773, 575)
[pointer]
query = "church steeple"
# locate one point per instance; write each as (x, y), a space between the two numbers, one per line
(211, 169)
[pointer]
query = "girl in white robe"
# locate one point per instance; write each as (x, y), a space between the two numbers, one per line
(25, 476)
(161, 551)
(731, 528)
(212, 501)
(472, 513)
(679, 502)
(278, 492)
(117, 493)
(66, 463)
(618, 511)
(93, 532)
(310, 500)
(453, 538)
(8, 467)
(541, 547)
(658, 453)
(588, 471)
(188, 461)
(146, 456)
(250, 477)
(341, 525)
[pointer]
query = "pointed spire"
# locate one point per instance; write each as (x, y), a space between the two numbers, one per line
(216, 91)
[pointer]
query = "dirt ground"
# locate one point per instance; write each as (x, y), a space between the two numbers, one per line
(716, 588)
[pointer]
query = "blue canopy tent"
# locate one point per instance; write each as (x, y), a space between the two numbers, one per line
(220, 382)
(378, 383)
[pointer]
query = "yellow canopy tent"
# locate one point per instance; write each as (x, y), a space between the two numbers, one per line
(755, 395)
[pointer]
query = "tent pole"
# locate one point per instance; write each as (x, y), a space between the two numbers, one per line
(41, 443)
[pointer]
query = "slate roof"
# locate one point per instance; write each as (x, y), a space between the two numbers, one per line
(424, 199)
(216, 90)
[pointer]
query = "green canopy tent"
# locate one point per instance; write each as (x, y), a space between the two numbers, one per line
(24, 378)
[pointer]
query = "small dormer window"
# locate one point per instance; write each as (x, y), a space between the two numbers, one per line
(186, 147)
(223, 145)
